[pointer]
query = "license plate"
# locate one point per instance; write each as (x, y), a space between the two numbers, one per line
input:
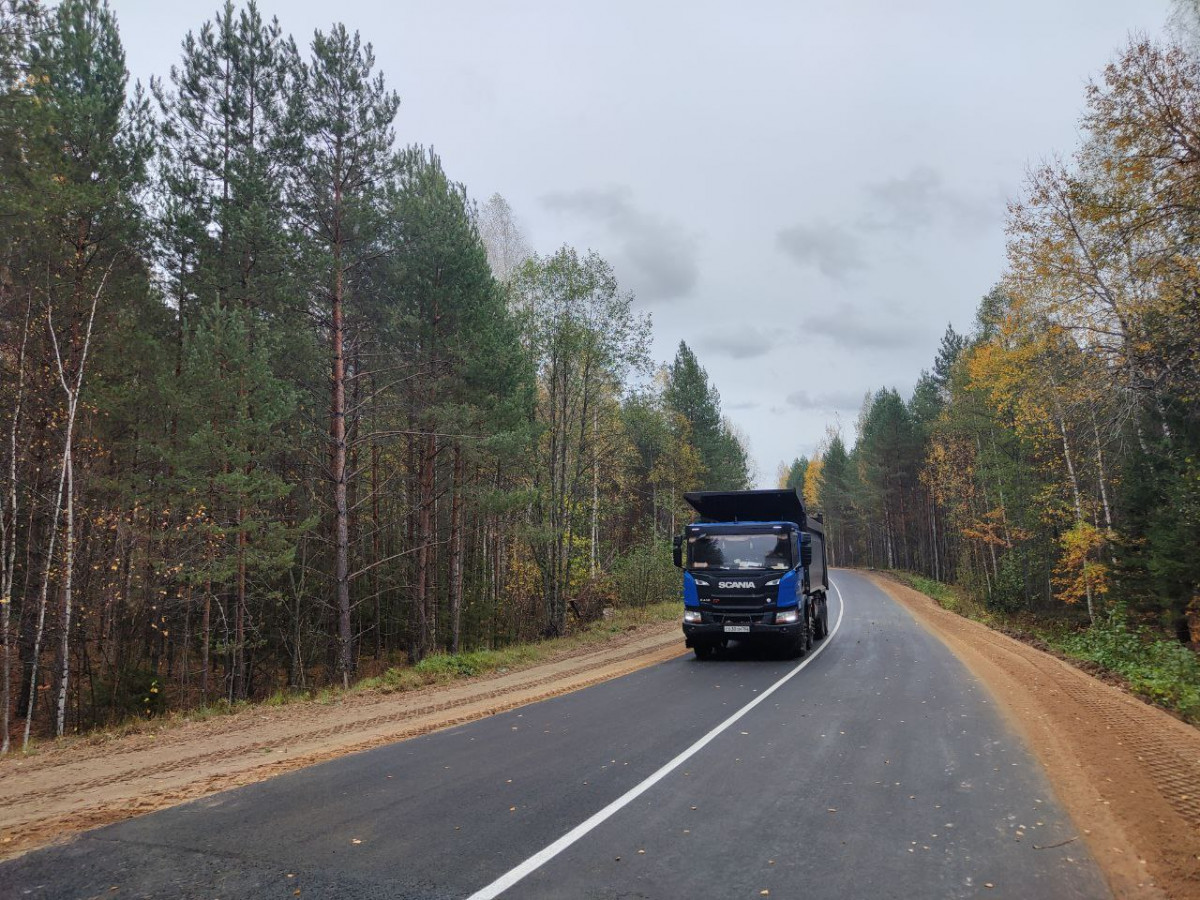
(737, 629)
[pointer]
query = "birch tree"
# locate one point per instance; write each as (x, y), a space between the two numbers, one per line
(587, 338)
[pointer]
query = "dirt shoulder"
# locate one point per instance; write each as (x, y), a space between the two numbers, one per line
(1128, 773)
(61, 791)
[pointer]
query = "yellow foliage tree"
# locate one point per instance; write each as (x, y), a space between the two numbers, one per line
(812, 483)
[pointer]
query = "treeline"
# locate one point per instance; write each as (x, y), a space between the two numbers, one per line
(1053, 455)
(275, 395)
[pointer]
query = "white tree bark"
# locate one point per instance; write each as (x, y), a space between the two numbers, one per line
(8, 539)
(72, 396)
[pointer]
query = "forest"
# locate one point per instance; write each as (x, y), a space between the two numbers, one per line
(278, 397)
(1049, 461)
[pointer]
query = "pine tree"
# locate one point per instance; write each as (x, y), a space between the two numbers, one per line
(691, 395)
(225, 475)
(346, 120)
(471, 375)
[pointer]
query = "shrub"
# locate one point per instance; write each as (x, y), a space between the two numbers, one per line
(1163, 670)
(646, 575)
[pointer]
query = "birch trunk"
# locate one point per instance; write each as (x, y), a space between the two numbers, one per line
(72, 396)
(1062, 428)
(8, 540)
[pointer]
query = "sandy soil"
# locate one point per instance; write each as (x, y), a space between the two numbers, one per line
(1128, 773)
(64, 790)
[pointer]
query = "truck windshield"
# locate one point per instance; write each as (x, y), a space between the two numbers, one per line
(740, 551)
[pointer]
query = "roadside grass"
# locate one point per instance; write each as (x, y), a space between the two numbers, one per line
(1158, 669)
(445, 667)
(948, 596)
(437, 669)
(1163, 670)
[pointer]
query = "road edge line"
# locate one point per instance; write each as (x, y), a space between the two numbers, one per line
(543, 856)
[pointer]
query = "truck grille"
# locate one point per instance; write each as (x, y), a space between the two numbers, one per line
(737, 618)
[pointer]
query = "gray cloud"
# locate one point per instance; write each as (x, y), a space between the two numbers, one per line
(744, 341)
(853, 328)
(826, 401)
(835, 251)
(922, 199)
(660, 258)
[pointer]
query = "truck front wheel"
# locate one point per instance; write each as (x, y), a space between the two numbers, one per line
(703, 651)
(802, 642)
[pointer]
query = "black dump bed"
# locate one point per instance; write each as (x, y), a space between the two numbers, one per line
(782, 505)
(748, 506)
(818, 572)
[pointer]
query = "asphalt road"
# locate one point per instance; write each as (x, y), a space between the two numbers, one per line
(878, 769)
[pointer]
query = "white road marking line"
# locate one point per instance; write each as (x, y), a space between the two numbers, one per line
(539, 859)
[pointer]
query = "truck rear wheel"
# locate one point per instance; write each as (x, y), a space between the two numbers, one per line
(821, 620)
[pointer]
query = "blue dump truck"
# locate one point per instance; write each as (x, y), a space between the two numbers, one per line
(754, 568)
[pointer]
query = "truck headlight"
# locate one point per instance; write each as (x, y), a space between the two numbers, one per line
(691, 616)
(774, 582)
(787, 616)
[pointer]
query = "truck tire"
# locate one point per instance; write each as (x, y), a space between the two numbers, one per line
(809, 628)
(704, 651)
(802, 642)
(821, 620)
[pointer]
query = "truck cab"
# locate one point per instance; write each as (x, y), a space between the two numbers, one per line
(753, 569)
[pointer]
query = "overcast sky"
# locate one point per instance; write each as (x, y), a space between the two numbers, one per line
(807, 193)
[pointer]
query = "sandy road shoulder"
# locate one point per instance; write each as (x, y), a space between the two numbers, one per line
(1128, 773)
(62, 791)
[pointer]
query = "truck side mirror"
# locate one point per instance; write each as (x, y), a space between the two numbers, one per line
(806, 550)
(677, 550)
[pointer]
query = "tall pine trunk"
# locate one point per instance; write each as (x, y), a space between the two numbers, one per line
(338, 471)
(456, 551)
(424, 601)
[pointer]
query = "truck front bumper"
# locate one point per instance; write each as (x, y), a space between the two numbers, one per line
(715, 633)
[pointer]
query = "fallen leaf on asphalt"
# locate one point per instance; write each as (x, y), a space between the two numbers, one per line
(355, 841)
